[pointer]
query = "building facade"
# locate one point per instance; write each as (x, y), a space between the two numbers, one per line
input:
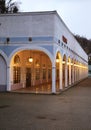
(37, 48)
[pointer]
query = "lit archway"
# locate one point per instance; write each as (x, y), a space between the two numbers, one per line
(58, 72)
(31, 69)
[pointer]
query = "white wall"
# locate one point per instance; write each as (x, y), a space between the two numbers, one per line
(38, 24)
(62, 30)
(2, 71)
(26, 24)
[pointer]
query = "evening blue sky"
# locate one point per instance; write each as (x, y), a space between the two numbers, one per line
(76, 14)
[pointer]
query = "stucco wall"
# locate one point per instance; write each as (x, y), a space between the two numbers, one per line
(26, 24)
(39, 24)
(3, 79)
(62, 30)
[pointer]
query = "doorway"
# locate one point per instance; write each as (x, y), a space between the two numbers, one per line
(28, 77)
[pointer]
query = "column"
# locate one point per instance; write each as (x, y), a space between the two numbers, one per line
(23, 76)
(60, 76)
(53, 79)
(66, 75)
(73, 73)
(8, 79)
(70, 73)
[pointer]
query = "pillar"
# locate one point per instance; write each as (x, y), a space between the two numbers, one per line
(70, 73)
(60, 76)
(66, 75)
(8, 79)
(53, 79)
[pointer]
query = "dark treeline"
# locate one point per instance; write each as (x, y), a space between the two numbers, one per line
(84, 42)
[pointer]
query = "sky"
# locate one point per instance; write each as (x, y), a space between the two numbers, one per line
(76, 14)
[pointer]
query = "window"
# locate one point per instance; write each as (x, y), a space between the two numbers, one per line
(49, 73)
(16, 74)
(37, 73)
(57, 73)
(16, 59)
(44, 73)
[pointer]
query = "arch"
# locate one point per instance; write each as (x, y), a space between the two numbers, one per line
(25, 73)
(4, 56)
(58, 71)
(31, 48)
(16, 59)
(59, 53)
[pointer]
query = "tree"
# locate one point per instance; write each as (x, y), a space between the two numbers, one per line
(8, 6)
(84, 42)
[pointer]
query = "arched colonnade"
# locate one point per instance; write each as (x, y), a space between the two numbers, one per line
(56, 72)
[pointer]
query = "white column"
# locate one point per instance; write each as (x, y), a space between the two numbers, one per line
(70, 74)
(53, 79)
(8, 79)
(60, 76)
(66, 75)
(23, 76)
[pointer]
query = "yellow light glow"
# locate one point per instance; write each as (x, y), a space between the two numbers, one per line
(68, 63)
(30, 59)
(57, 60)
(63, 62)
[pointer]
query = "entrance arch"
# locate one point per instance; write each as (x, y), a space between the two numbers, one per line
(31, 48)
(58, 72)
(31, 73)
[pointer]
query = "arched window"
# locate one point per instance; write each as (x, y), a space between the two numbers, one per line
(16, 70)
(16, 59)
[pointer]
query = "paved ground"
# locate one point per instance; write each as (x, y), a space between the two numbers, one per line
(70, 110)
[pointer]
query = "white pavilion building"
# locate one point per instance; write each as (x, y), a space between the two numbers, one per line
(38, 52)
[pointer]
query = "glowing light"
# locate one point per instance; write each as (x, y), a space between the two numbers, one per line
(63, 62)
(57, 60)
(68, 63)
(30, 59)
